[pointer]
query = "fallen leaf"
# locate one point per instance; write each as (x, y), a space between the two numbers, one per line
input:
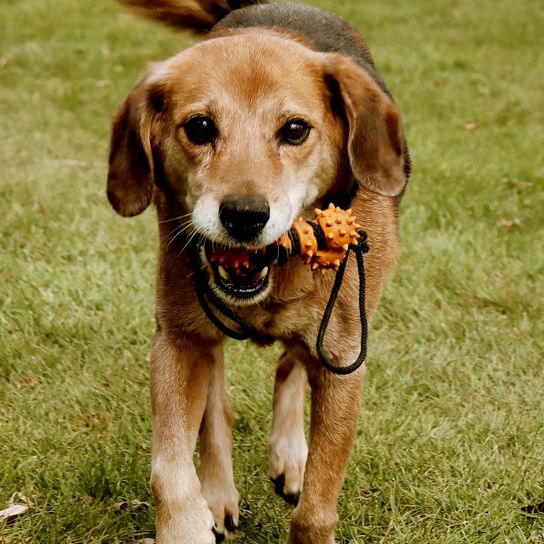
(509, 224)
(13, 512)
(118, 506)
(135, 506)
(21, 497)
(138, 506)
(471, 125)
(31, 382)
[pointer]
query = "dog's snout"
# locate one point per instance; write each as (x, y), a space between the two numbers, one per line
(244, 216)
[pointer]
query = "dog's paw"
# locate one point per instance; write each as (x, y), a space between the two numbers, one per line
(229, 526)
(279, 488)
(223, 503)
(197, 529)
(183, 518)
(287, 459)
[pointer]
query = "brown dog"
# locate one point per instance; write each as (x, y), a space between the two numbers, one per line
(278, 111)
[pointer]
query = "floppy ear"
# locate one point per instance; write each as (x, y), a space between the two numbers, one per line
(130, 176)
(375, 139)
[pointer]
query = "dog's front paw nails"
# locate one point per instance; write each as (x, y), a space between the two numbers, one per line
(279, 488)
(287, 459)
(223, 503)
(229, 526)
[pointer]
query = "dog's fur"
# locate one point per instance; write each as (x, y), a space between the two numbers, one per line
(259, 66)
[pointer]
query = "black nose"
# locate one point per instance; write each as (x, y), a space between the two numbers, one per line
(244, 216)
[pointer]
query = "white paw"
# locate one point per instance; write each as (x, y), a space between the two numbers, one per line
(191, 524)
(286, 461)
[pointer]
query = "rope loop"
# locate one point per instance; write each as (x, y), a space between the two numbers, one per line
(359, 249)
(204, 290)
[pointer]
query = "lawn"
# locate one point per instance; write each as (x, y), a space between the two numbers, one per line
(450, 444)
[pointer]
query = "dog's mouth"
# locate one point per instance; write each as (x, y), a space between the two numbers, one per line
(240, 273)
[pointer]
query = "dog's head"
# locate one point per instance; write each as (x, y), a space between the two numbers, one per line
(245, 132)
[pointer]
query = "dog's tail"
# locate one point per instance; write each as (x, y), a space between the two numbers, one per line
(194, 14)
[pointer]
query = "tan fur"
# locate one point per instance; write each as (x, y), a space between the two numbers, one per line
(251, 82)
(287, 449)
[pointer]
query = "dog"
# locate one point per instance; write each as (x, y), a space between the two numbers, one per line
(277, 111)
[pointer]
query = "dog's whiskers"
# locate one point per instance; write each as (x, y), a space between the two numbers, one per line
(180, 229)
(176, 218)
(191, 238)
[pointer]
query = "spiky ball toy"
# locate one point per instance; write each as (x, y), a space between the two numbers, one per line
(321, 243)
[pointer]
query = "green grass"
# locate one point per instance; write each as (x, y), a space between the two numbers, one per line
(451, 435)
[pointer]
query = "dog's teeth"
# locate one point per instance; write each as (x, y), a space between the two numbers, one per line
(223, 273)
(262, 274)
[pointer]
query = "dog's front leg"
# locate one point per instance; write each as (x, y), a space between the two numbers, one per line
(287, 449)
(335, 407)
(216, 453)
(180, 371)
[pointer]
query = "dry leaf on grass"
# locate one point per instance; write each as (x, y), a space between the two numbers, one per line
(134, 505)
(20, 497)
(471, 125)
(13, 512)
(31, 382)
(509, 224)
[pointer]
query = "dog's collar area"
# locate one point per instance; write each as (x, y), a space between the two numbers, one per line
(324, 243)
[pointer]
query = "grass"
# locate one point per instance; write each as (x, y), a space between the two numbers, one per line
(451, 435)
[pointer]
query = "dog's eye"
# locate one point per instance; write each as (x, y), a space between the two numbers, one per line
(200, 130)
(294, 132)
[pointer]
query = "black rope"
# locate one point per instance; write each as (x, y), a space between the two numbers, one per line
(204, 290)
(359, 249)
